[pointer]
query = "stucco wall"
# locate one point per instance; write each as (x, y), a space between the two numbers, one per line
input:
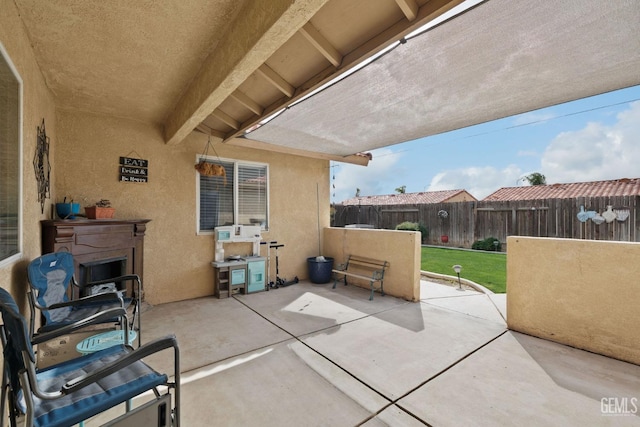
(37, 104)
(85, 149)
(176, 259)
(461, 197)
(400, 248)
(583, 293)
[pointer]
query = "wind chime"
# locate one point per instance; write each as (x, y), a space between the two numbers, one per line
(206, 168)
(333, 183)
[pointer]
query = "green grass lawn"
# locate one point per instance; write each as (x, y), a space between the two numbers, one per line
(485, 268)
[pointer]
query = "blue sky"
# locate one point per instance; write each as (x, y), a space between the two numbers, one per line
(596, 138)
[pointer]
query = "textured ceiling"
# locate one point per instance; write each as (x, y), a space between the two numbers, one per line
(127, 58)
(219, 66)
(224, 66)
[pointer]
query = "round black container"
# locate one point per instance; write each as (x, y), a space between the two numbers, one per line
(320, 271)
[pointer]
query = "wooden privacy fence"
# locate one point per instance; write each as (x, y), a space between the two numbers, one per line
(462, 223)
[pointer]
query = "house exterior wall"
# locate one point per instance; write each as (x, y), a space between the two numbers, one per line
(177, 261)
(400, 248)
(463, 196)
(37, 104)
(85, 150)
(576, 292)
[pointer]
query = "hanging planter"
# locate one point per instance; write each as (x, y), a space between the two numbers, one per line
(609, 215)
(622, 214)
(583, 216)
(597, 219)
(206, 168)
(211, 169)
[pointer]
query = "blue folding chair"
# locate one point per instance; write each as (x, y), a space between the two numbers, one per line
(50, 277)
(68, 393)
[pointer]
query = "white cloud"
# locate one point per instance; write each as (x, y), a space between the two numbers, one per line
(596, 152)
(371, 180)
(479, 181)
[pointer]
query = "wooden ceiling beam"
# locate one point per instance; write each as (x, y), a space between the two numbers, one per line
(227, 119)
(321, 44)
(250, 123)
(355, 159)
(392, 34)
(276, 80)
(260, 29)
(243, 99)
(409, 8)
(209, 131)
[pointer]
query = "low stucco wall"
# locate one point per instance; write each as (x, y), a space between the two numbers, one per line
(400, 248)
(582, 293)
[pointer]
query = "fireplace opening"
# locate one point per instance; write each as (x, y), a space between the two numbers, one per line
(101, 270)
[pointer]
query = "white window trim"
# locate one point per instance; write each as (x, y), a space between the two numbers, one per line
(236, 163)
(15, 257)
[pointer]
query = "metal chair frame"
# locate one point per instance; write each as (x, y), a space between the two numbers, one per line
(20, 372)
(97, 302)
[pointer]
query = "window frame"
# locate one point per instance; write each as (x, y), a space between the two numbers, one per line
(18, 255)
(236, 199)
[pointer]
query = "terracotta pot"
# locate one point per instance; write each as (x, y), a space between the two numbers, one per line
(98, 212)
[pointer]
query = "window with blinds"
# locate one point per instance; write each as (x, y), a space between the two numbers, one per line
(252, 195)
(240, 196)
(10, 159)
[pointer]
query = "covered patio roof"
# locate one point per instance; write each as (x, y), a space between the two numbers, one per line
(223, 67)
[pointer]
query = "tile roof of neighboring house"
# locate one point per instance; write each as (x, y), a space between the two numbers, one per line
(616, 187)
(407, 198)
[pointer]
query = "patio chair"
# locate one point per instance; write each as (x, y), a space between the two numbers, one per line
(49, 278)
(73, 391)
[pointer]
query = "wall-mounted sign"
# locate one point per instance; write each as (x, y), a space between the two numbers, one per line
(133, 170)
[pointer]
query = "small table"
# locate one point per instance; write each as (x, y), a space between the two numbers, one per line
(104, 340)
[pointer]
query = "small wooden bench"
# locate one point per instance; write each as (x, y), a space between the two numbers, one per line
(362, 268)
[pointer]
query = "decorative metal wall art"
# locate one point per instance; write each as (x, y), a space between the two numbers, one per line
(41, 166)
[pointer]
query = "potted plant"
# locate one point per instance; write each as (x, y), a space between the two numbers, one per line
(101, 210)
(67, 210)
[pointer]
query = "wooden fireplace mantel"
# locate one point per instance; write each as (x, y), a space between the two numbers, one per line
(91, 240)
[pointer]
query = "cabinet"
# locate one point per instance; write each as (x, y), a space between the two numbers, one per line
(256, 274)
(245, 276)
(229, 278)
(101, 248)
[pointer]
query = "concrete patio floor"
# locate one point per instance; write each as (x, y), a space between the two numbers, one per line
(309, 355)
